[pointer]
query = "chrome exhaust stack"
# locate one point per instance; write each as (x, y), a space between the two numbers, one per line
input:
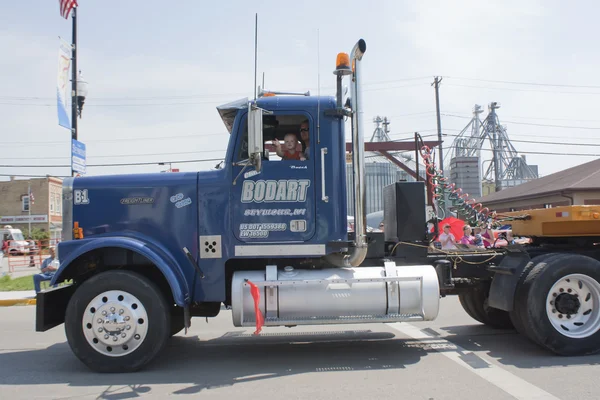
(357, 254)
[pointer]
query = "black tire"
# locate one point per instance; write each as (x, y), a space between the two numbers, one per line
(519, 301)
(153, 303)
(465, 302)
(534, 292)
(475, 301)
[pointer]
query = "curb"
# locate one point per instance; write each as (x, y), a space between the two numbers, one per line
(17, 302)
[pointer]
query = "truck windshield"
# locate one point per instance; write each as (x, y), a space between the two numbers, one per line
(17, 236)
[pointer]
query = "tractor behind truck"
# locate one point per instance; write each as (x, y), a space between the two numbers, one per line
(266, 237)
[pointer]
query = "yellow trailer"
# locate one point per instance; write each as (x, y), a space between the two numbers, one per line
(566, 221)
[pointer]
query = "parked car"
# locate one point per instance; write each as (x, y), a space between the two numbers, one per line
(375, 220)
(351, 225)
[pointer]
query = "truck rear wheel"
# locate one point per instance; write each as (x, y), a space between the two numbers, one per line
(560, 300)
(475, 303)
(520, 302)
(117, 321)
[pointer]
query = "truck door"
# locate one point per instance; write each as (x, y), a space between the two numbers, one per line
(276, 205)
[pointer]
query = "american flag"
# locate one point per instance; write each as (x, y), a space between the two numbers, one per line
(66, 6)
(31, 198)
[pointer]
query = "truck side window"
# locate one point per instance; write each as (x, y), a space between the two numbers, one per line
(288, 138)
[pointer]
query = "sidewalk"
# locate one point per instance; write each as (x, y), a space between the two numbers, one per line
(13, 298)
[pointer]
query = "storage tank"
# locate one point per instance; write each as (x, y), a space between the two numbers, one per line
(465, 174)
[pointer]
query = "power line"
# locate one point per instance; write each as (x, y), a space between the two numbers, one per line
(531, 123)
(117, 105)
(114, 165)
(411, 114)
(520, 90)
(91, 104)
(120, 155)
(392, 87)
(224, 134)
(552, 126)
(220, 159)
(550, 153)
(555, 119)
(522, 117)
(181, 152)
(542, 142)
(535, 135)
(206, 95)
(525, 83)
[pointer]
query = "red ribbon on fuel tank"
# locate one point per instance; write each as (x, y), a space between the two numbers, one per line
(255, 292)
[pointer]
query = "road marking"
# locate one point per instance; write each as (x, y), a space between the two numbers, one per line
(511, 384)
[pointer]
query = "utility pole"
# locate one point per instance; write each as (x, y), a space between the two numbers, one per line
(436, 85)
(496, 142)
(74, 85)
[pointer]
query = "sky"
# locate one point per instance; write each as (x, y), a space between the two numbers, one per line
(156, 74)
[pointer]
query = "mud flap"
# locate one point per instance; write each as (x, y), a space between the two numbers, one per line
(506, 277)
(50, 307)
(187, 320)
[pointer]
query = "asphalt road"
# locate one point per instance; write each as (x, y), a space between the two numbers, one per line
(453, 357)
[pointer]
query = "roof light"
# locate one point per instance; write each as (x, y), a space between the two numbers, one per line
(342, 64)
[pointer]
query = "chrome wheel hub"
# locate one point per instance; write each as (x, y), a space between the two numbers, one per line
(115, 323)
(573, 306)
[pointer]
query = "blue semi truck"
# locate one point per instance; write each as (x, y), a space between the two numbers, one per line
(266, 237)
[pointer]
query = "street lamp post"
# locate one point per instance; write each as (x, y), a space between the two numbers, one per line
(78, 99)
(79, 88)
(82, 92)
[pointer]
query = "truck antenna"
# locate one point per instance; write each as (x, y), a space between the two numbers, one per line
(318, 90)
(255, 51)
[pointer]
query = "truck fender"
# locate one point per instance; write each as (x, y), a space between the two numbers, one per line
(507, 276)
(164, 261)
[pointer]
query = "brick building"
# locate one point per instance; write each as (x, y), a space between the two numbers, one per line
(579, 185)
(46, 212)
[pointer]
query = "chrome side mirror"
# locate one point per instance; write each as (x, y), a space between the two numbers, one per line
(255, 136)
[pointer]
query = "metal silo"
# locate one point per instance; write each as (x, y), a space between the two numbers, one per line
(379, 173)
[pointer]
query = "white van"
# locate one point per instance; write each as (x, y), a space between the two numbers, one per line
(16, 242)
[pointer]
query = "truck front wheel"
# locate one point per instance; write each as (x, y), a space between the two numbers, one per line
(560, 300)
(117, 321)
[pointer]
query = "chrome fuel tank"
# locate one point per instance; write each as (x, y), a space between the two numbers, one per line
(338, 295)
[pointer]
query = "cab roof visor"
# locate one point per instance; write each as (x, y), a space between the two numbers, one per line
(228, 111)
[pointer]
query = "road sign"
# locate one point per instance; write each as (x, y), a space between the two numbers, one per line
(78, 156)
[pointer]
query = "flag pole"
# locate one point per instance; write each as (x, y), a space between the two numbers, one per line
(74, 85)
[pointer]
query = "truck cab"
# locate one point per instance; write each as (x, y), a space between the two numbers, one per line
(286, 207)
